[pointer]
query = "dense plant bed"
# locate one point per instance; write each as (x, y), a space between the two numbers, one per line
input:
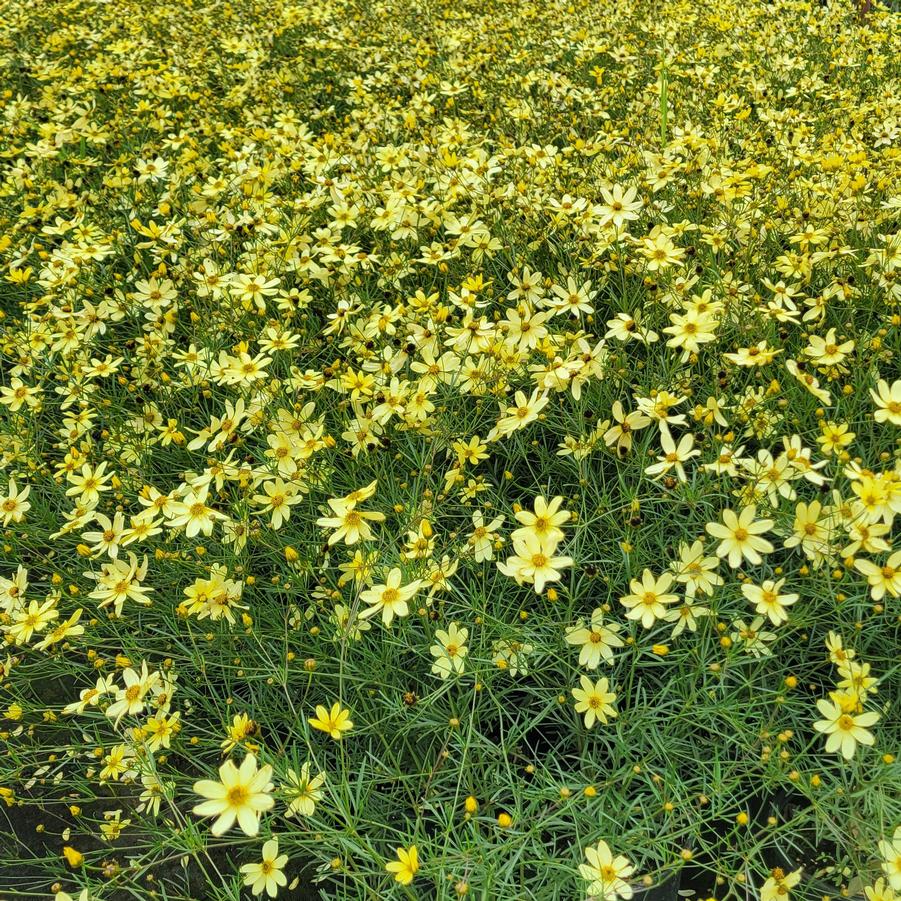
(450, 449)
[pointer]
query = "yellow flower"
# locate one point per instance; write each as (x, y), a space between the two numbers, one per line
(73, 858)
(648, 597)
(406, 866)
(266, 875)
(777, 887)
(389, 598)
(845, 729)
(740, 536)
(240, 794)
(594, 700)
(303, 791)
(334, 722)
(605, 874)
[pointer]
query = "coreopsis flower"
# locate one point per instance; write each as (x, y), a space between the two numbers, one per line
(758, 355)
(838, 653)
(890, 849)
(879, 891)
(845, 728)
(619, 206)
(659, 250)
(266, 875)
(605, 874)
(625, 425)
(130, 699)
(406, 866)
(523, 412)
(334, 720)
(686, 616)
(695, 570)
(751, 638)
(18, 394)
(596, 641)
(241, 794)
(109, 538)
(193, 515)
(390, 598)
(449, 651)
(674, 456)
(883, 580)
(512, 656)
(483, 536)
(888, 402)
(769, 600)
(303, 791)
(739, 536)
(544, 523)
(241, 728)
(277, 499)
(835, 437)
(349, 524)
(87, 484)
(14, 504)
(779, 884)
(119, 581)
(26, 621)
(649, 597)
(812, 530)
(534, 562)
(856, 679)
(594, 700)
(827, 351)
(690, 330)
(809, 381)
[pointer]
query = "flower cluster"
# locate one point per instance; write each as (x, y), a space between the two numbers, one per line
(438, 439)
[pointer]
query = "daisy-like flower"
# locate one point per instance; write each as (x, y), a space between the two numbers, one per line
(544, 523)
(278, 498)
(751, 638)
(33, 618)
(266, 875)
(534, 562)
(130, 699)
(87, 484)
(769, 600)
(389, 599)
(595, 641)
(605, 874)
(240, 794)
(348, 523)
(483, 536)
(449, 651)
(890, 849)
(686, 616)
(879, 891)
(406, 866)
(739, 536)
(14, 504)
(303, 791)
(779, 884)
(674, 455)
(884, 579)
(619, 206)
(696, 571)
(649, 597)
(844, 728)
(888, 402)
(594, 700)
(334, 721)
(194, 515)
(621, 433)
